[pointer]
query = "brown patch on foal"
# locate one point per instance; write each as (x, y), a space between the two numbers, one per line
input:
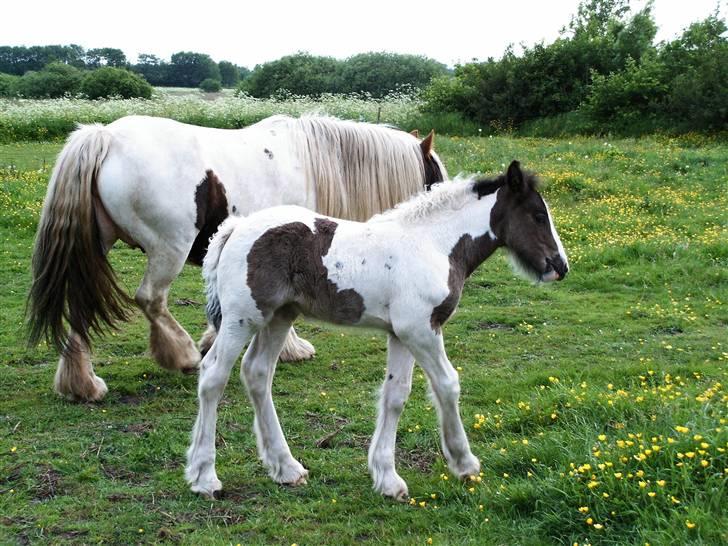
(465, 257)
(285, 266)
(211, 203)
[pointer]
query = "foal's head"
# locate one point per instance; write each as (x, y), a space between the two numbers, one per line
(521, 220)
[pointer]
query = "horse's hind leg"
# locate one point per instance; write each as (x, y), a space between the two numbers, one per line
(171, 346)
(215, 371)
(257, 372)
(395, 391)
(75, 377)
(294, 347)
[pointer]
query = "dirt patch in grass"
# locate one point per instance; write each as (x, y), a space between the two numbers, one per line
(48, 482)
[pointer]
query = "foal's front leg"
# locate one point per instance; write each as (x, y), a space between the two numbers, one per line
(257, 372)
(395, 391)
(214, 373)
(429, 350)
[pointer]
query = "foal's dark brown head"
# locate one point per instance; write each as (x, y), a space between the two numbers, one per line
(521, 221)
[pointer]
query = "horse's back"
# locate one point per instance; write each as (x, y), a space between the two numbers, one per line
(159, 174)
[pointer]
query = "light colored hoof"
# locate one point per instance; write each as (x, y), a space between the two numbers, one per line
(468, 467)
(89, 390)
(292, 475)
(393, 487)
(212, 491)
(296, 349)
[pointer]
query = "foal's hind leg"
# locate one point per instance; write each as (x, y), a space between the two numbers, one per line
(395, 391)
(259, 364)
(214, 373)
(171, 346)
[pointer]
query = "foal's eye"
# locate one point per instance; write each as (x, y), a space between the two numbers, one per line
(541, 218)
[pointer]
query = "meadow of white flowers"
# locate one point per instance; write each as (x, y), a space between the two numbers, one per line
(28, 119)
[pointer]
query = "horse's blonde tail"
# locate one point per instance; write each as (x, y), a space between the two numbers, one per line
(209, 270)
(72, 281)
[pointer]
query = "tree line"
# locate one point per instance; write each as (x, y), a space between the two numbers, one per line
(51, 71)
(603, 73)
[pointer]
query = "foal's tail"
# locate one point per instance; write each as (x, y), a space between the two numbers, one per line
(209, 270)
(72, 281)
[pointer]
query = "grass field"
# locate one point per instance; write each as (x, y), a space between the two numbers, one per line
(598, 406)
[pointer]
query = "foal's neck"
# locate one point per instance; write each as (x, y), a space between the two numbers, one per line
(466, 228)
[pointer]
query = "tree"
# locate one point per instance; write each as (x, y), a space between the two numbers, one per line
(188, 69)
(105, 56)
(381, 73)
(153, 69)
(109, 81)
(300, 74)
(229, 73)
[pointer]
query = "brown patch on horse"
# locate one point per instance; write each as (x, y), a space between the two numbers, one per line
(285, 267)
(211, 203)
(465, 257)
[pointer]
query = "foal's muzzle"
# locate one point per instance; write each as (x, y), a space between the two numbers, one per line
(557, 269)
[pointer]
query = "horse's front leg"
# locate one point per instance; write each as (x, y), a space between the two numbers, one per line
(294, 348)
(171, 346)
(395, 391)
(215, 371)
(428, 348)
(257, 372)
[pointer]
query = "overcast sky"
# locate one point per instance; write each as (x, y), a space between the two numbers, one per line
(252, 32)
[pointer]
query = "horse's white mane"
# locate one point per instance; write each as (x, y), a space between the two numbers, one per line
(445, 196)
(358, 169)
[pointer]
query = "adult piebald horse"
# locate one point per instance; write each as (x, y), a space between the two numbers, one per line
(164, 187)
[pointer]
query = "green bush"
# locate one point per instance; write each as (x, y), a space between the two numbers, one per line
(8, 85)
(638, 91)
(55, 80)
(115, 82)
(209, 85)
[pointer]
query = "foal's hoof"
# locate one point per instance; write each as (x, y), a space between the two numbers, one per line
(211, 492)
(293, 475)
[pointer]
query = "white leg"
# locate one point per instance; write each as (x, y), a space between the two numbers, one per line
(429, 350)
(395, 391)
(171, 346)
(257, 372)
(296, 348)
(214, 374)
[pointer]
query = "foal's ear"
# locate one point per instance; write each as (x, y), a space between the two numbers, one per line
(428, 143)
(415, 133)
(514, 177)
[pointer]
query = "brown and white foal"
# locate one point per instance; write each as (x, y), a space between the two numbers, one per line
(402, 272)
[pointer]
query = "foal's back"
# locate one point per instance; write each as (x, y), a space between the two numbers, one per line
(339, 271)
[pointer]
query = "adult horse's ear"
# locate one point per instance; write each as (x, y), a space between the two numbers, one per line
(415, 133)
(514, 177)
(427, 144)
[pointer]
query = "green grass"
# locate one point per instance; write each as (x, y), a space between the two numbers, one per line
(574, 394)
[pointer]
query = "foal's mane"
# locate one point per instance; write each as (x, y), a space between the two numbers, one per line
(443, 197)
(358, 169)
